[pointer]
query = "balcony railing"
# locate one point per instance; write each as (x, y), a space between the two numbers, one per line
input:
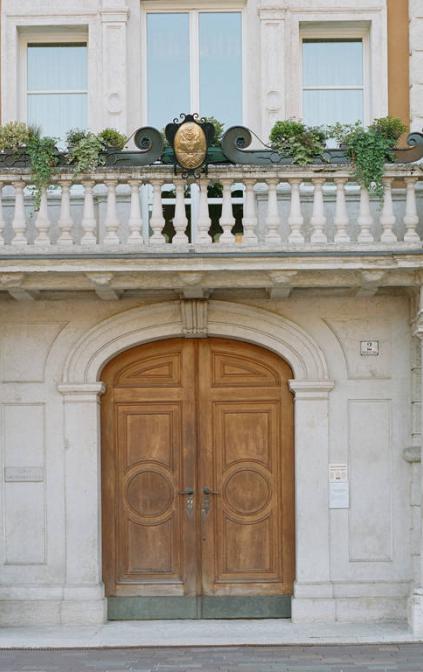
(253, 208)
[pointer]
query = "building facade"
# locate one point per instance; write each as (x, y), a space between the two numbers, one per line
(203, 426)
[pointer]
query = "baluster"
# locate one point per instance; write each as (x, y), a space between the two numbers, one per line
(318, 219)
(42, 222)
(88, 216)
(111, 221)
(295, 219)
(157, 220)
(411, 219)
(249, 221)
(65, 217)
(203, 222)
(341, 213)
(19, 220)
(135, 223)
(365, 219)
(180, 220)
(387, 217)
(273, 222)
(2, 223)
(227, 220)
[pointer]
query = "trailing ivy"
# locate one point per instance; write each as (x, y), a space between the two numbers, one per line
(44, 157)
(369, 148)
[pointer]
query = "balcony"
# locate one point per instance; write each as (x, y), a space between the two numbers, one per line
(298, 224)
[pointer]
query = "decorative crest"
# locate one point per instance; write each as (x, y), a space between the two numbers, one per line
(190, 140)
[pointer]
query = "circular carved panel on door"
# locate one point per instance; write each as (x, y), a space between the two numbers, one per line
(247, 491)
(149, 494)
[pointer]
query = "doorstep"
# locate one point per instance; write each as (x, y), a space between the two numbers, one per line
(203, 633)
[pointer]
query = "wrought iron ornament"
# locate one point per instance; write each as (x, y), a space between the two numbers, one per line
(190, 140)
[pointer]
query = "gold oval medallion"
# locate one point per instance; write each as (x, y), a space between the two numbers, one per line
(190, 145)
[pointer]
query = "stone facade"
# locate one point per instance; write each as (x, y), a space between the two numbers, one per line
(62, 319)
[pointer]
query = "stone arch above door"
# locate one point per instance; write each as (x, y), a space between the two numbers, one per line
(81, 387)
(164, 320)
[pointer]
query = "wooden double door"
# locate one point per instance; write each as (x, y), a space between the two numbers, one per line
(197, 481)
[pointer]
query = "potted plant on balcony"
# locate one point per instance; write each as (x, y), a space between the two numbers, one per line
(14, 137)
(297, 143)
(85, 150)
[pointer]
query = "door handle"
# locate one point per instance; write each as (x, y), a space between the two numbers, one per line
(189, 502)
(205, 507)
(207, 491)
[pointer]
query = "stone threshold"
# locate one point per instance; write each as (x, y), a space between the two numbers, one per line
(270, 632)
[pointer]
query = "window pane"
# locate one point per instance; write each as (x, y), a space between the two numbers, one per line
(221, 66)
(333, 63)
(168, 67)
(57, 67)
(57, 113)
(328, 107)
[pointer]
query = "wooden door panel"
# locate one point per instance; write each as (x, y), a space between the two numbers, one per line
(150, 515)
(247, 466)
(247, 454)
(148, 417)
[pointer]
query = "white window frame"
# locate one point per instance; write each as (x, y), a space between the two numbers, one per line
(193, 9)
(333, 32)
(47, 37)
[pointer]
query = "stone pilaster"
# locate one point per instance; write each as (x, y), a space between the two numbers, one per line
(416, 599)
(273, 89)
(416, 64)
(313, 592)
(114, 18)
(83, 595)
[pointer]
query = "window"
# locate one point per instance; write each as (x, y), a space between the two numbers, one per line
(194, 64)
(333, 81)
(57, 87)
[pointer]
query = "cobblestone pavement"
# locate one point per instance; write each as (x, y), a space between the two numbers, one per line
(358, 658)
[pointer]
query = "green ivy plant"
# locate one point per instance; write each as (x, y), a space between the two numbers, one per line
(369, 148)
(293, 139)
(84, 151)
(43, 155)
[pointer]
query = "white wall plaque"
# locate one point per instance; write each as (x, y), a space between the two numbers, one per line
(339, 488)
(369, 348)
(23, 474)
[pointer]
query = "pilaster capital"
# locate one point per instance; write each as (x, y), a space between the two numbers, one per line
(114, 11)
(81, 392)
(310, 390)
(272, 10)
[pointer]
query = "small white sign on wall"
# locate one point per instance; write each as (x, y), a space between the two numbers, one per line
(369, 348)
(339, 489)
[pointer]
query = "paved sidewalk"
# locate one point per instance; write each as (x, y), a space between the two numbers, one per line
(384, 658)
(274, 632)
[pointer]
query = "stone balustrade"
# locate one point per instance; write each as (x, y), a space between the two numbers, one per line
(242, 208)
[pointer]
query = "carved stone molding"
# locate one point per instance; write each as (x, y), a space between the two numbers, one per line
(194, 317)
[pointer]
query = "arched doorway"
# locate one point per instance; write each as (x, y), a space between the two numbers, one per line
(197, 481)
